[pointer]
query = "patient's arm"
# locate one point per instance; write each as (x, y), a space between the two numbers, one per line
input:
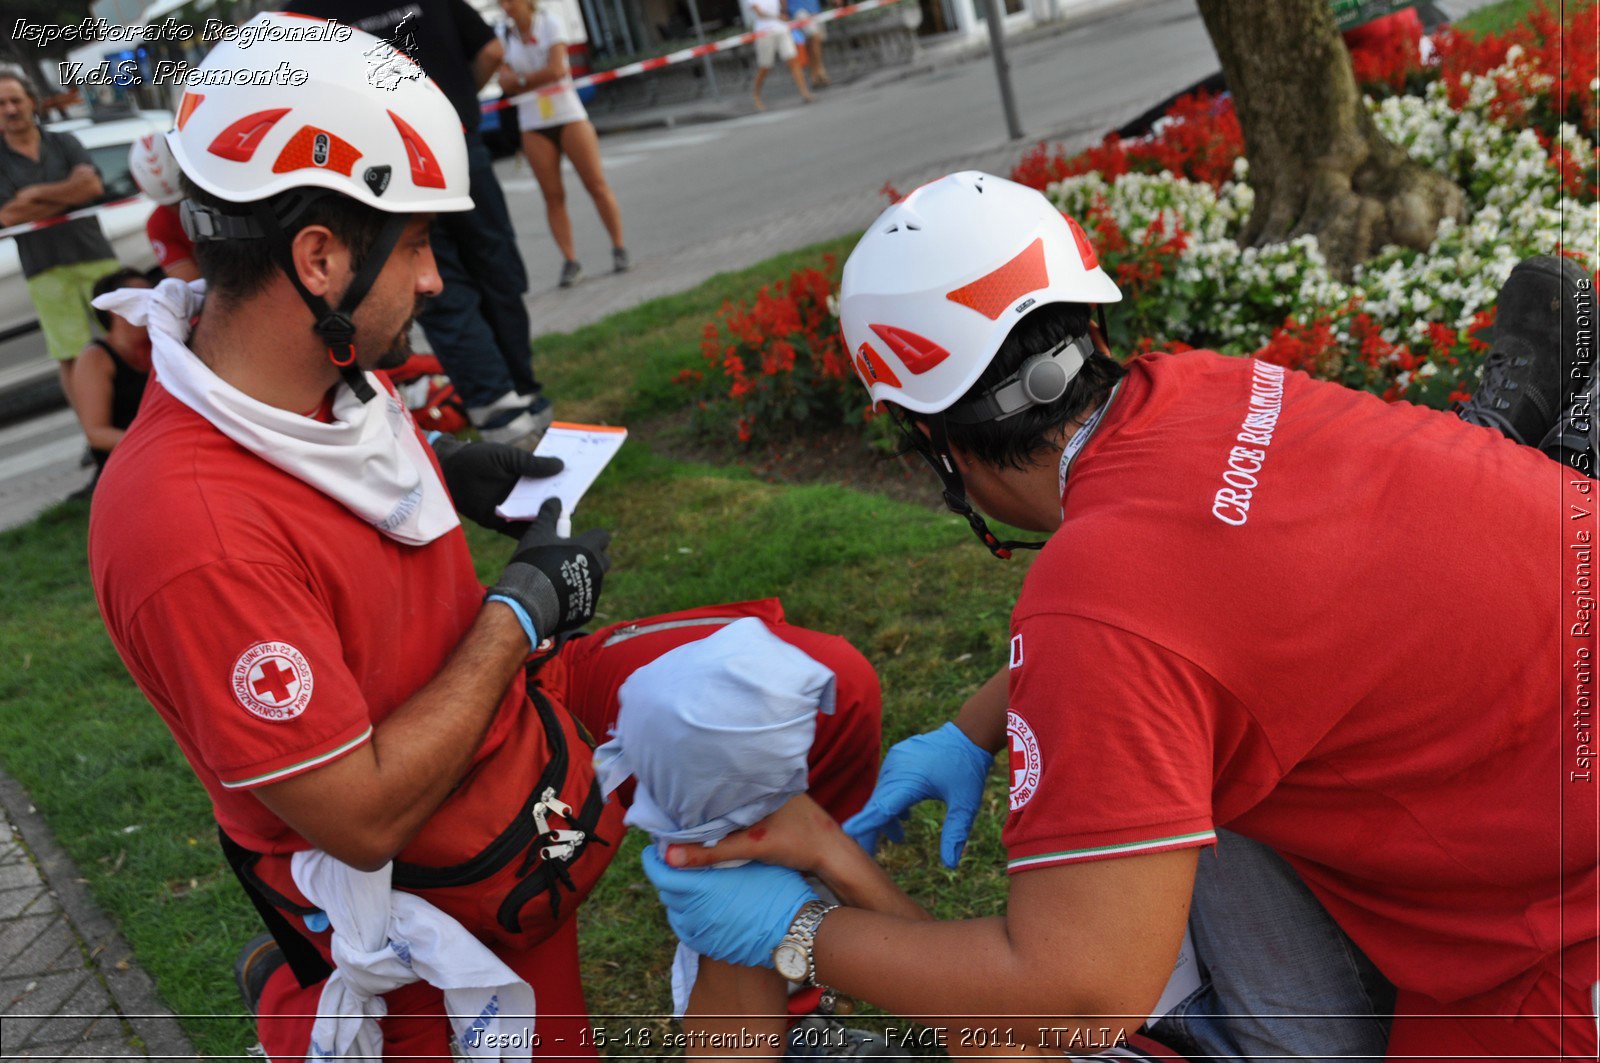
(731, 1000)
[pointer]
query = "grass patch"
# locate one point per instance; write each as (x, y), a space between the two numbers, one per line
(621, 368)
(102, 767)
(1497, 18)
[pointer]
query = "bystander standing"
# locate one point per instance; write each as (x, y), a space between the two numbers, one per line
(766, 18)
(42, 175)
(555, 124)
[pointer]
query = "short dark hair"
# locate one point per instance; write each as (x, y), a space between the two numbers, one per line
(117, 278)
(1015, 441)
(238, 269)
(11, 73)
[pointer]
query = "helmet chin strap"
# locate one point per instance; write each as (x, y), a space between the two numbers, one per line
(935, 450)
(335, 327)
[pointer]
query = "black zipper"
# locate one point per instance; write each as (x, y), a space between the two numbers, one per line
(551, 873)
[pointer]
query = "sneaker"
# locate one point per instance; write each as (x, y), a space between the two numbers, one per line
(619, 260)
(1574, 441)
(522, 428)
(256, 962)
(570, 272)
(1545, 316)
(821, 1037)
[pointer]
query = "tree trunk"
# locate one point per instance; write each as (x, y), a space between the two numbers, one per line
(1317, 162)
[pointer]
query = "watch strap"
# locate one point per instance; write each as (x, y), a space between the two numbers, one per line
(803, 931)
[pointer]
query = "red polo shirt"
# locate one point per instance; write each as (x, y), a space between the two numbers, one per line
(1332, 625)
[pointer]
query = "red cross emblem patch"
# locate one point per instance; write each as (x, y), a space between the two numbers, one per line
(1026, 763)
(272, 680)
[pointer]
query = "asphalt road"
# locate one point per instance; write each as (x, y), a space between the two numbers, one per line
(699, 200)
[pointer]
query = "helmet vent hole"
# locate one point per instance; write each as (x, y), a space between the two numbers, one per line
(914, 228)
(893, 228)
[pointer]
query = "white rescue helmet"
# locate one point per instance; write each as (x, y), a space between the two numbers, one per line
(938, 281)
(154, 169)
(296, 102)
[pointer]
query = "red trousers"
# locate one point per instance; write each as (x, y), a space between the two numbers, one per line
(585, 676)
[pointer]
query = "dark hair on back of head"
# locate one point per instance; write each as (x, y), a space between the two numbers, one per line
(1015, 441)
(238, 269)
(117, 278)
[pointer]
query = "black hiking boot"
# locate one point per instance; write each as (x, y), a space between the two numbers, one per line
(1573, 441)
(1544, 326)
(257, 960)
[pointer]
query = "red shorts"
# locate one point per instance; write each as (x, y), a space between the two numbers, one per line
(586, 675)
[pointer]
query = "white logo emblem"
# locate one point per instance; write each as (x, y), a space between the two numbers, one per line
(272, 680)
(1025, 760)
(1016, 650)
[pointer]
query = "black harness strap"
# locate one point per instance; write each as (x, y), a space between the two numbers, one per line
(336, 328)
(302, 956)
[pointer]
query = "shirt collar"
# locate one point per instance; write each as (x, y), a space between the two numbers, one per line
(1079, 440)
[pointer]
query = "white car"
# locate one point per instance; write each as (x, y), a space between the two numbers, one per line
(107, 144)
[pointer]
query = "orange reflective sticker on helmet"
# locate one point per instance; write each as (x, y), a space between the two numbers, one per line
(918, 353)
(316, 147)
(425, 169)
(877, 370)
(992, 294)
(1085, 248)
(191, 100)
(859, 362)
(241, 139)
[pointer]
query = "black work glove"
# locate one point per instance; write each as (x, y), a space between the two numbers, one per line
(479, 476)
(551, 583)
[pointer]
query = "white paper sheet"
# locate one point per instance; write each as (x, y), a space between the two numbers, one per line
(586, 449)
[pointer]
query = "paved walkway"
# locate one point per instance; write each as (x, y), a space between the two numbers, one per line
(68, 985)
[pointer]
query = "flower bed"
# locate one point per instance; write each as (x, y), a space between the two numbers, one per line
(778, 364)
(1500, 115)
(1495, 114)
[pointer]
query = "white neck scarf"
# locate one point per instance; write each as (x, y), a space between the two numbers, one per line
(369, 459)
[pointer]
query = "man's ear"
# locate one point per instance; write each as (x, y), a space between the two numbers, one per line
(319, 258)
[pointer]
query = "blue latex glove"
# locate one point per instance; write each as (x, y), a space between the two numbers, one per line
(734, 914)
(942, 765)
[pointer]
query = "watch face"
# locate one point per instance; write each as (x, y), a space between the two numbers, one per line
(790, 961)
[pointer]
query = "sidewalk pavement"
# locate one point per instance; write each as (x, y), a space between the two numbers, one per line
(927, 58)
(736, 104)
(68, 985)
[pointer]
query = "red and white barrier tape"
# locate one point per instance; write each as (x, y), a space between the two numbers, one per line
(45, 223)
(655, 63)
(685, 54)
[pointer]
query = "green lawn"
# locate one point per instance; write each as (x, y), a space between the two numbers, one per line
(1497, 18)
(101, 766)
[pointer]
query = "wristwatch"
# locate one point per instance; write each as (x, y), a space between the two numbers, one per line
(794, 957)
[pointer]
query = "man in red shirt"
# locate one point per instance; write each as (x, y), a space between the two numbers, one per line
(1359, 634)
(279, 562)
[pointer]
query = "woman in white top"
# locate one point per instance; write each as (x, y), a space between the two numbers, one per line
(536, 55)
